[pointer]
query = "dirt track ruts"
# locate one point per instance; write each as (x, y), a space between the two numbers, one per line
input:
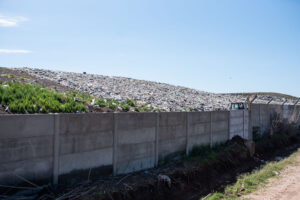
(286, 187)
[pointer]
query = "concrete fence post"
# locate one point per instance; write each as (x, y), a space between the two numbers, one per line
(250, 124)
(156, 139)
(56, 149)
(211, 136)
(250, 128)
(229, 115)
(270, 120)
(243, 124)
(187, 132)
(115, 142)
(259, 117)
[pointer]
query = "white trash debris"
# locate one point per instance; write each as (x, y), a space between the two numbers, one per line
(165, 179)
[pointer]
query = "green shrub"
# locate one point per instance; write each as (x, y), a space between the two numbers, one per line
(101, 102)
(125, 107)
(146, 107)
(34, 99)
(112, 104)
(130, 102)
(136, 109)
(80, 97)
(26, 98)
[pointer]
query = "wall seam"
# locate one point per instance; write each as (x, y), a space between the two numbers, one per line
(156, 139)
(229, 116)
(56, 149)
(187, 133)
(115, 144)
(211, 142)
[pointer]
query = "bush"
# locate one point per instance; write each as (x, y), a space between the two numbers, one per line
(125, 107)
(26, 98)
(34, 99)
(146, 107)
(136, 109)
(112, 104)
(80, 97)
(131, 102)
(101, 102)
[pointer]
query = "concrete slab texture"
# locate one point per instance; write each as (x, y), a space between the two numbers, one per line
(46, 147)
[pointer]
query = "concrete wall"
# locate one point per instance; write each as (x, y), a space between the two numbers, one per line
(199, 129)
(255, 112)
(291, 113)
(262, 115)
(172, 134)
(220, 126)
(62, 147)
(239, 123)
(26, 148)
(265, 118)
(85, 142)
(135, 146)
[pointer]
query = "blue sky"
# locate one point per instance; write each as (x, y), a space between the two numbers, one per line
(217, 46)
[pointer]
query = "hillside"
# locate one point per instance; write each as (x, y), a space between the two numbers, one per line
(160, 95)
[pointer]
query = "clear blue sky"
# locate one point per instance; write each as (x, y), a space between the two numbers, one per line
(218, 46)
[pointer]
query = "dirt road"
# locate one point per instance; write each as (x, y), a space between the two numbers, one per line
(286, 187)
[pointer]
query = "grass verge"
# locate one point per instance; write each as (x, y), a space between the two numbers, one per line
(250, 182)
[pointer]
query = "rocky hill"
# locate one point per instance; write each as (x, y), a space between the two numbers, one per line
(164, 96)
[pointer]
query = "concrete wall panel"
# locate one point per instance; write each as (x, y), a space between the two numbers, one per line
(18, 149)
(135, 165)
(199, 129)
(219, 126)
(127, 153)
(85, 142)
(255, 115)
(17, 126)
(171, 147)
(199, 140)
(135, 139)
(265, 118)
(85, 160)
(219, 116)
(172, 126)
(239, 123)
(219, 137)
(82, 124)
(199, 117)
(34, 170)
(172, 134)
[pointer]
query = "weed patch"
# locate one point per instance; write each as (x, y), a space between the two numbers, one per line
(35, 99)
(250, 182)
(27, 98)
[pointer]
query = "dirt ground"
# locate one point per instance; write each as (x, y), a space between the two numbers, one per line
(286, 187)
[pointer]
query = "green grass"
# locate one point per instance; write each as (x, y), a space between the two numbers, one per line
(216, 154)
(251, 182)
(204, 154)
(27, 98)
